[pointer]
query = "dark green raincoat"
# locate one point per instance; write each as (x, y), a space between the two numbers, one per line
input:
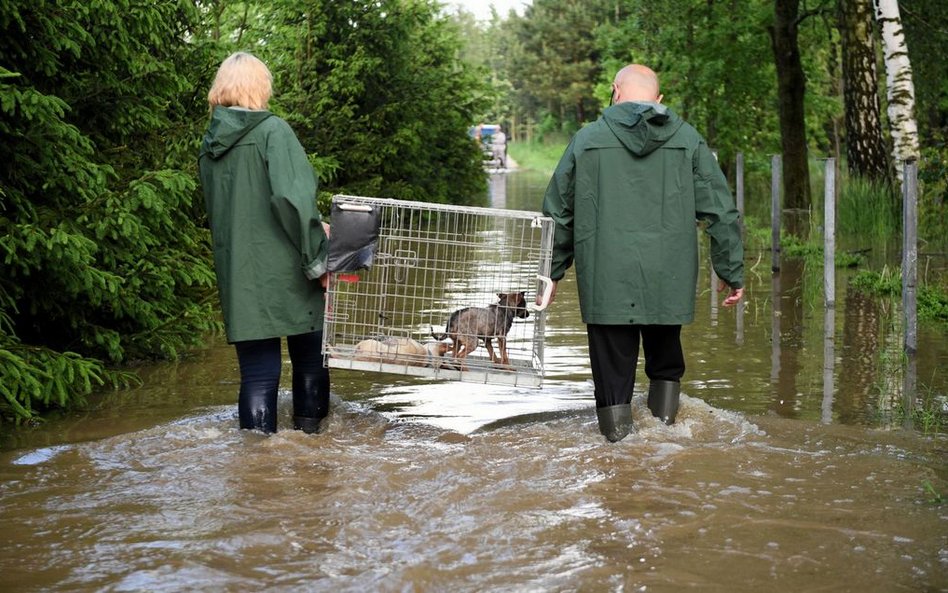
(625, 198)
(269, 243)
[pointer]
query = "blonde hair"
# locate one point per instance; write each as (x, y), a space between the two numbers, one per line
(241, 81)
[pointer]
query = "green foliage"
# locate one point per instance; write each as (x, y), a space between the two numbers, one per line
(104, 256)
(929, 409)
(377, 92)
(485, 48)
(933, 196)
(884, 283)
(812, 251)
(37, 378)
(927, 36)
(756, 234)
(933, 303)
(934, 497)
(868, 210)
(559, 65)
(932, 299)
(103, 104)
(570, 50)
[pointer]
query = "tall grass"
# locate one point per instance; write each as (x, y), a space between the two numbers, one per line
(868, 210)
(537, 156)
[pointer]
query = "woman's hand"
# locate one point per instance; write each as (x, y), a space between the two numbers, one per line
(324, 279)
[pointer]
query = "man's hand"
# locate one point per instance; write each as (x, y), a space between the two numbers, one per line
(539, 299)
(733, 297)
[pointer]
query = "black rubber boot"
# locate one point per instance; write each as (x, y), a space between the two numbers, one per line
(307, 425)
(257, 408)
(615, 422)
(663, 400)
(310, 400)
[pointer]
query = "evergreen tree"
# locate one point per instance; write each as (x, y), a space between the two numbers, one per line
(377, 93)
(559, 66)
(715, 65)
(103, 260)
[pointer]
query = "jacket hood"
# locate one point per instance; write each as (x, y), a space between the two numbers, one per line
(641, 127)
(228, 126)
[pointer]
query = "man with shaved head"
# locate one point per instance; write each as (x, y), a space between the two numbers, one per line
(637, 83)
(625, 198)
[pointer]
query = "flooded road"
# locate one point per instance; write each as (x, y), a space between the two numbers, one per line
(788, 469)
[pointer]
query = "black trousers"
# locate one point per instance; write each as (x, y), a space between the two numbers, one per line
(614, 355)
(261, 364)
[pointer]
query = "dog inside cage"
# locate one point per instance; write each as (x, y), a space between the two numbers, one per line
(448, 294)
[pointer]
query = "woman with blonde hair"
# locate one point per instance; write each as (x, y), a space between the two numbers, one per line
(270, 246)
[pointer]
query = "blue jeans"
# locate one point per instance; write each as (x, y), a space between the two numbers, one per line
(260, 368)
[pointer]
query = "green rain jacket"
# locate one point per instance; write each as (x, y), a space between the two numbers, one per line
(269, 243)
(625, 198)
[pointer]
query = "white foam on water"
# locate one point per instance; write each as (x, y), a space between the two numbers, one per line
(38, 456)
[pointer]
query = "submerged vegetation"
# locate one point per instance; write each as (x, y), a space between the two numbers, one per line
(927, 410)
(932, 298)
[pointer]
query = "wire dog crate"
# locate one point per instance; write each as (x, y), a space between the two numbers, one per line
(429, 262)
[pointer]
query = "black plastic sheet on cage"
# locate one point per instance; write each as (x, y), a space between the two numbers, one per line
(448, 294)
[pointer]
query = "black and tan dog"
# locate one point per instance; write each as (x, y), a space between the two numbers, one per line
(466, 327)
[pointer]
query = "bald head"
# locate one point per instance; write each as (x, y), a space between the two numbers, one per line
(636, 82)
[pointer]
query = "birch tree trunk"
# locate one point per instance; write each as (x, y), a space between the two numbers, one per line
(865, 146)
(900, 88)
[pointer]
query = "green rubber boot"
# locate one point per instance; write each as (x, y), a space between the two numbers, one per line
(663, 400)
(615, 422)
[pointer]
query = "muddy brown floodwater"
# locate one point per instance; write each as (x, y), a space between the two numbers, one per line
(789, 469)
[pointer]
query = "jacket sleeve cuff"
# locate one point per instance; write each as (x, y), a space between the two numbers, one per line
(316, 268)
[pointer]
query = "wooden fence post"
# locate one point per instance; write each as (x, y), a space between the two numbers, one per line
(739, 183)
(776, 168)
(775, 328)
(739, 190)
(713, 275)
(829, 364)
(829, 288)
(909, 284)
(829, 232)
(910, 254)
